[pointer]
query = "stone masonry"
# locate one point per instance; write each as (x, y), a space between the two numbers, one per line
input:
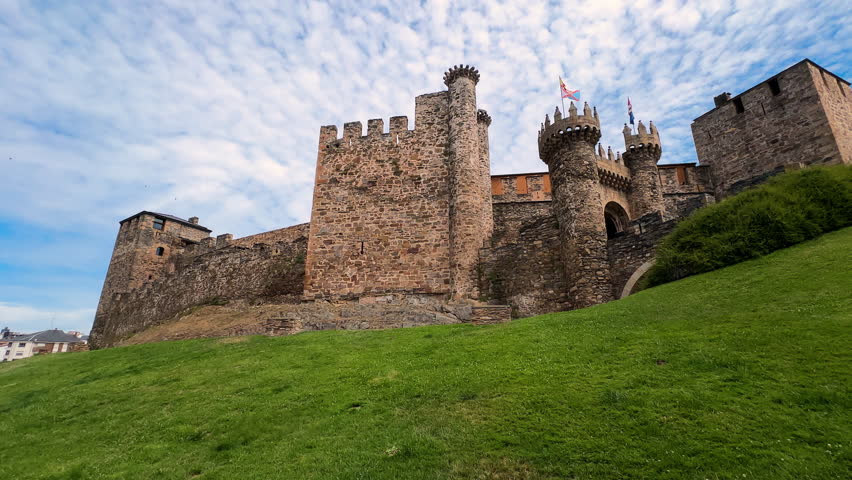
(568, 148)
(799, 117)
(409, 227)
(641, 154)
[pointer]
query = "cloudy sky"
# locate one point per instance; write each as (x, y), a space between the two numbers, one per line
(212, 108)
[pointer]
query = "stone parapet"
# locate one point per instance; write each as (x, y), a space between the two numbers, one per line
(461, 71)
(573, 128)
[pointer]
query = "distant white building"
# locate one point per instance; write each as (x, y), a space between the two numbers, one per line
(39, 343)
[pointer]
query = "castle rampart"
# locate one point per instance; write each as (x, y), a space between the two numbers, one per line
(264, 272)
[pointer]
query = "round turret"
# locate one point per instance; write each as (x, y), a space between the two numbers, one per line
(461, 71)
(470, 213)
(568, 147)
(573, 128)
(642, 152)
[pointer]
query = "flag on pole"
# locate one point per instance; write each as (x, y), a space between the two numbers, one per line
(630, 111)
(572, 94)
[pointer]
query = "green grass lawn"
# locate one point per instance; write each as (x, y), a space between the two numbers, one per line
(741, 373)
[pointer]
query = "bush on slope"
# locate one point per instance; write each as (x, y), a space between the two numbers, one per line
(787, 210)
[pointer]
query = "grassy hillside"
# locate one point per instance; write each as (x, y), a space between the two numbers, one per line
(740, 373)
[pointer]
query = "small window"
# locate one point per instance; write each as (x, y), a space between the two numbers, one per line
(681, 175)
(160, 251)
(159, 223)
(22, 345)
(738, 105)
(19, 354)
(774, 87)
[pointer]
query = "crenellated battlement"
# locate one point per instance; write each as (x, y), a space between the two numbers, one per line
(611, 169)
(353, 131)
(574, 127)
(642, 139)
(461, 71)
(483, 117)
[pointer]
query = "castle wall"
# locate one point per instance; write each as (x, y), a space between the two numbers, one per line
(380, 217)
(262, 272)
(686, 187)
(510, 218)
(635, 247)
(523, 187)
(524, 269)
(756, 134)
(287, 235)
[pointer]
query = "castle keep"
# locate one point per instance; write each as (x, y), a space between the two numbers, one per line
(409, 227)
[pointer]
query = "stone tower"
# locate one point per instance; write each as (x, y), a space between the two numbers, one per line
(470, 214)
(484, 121)
(641, 154)
(568, 148)
(144, 247)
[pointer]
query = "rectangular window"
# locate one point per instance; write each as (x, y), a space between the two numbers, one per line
(19, 354)
(546, 179)
(497, 186)
(160, 251)
(521, 185)
(22, 345)
(159, 223)
(774, 87)
(681, 175)
(738, 105)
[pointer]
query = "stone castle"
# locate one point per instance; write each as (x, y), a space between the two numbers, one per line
(409, 227)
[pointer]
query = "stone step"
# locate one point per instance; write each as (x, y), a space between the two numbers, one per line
(490, 314)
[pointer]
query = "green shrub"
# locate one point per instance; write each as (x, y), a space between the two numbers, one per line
(788, 209)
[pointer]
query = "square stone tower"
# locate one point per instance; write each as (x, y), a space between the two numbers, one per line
(403, 212)
(799, 117)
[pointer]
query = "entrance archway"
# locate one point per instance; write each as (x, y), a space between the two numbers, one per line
(634, 279)
(616, 219)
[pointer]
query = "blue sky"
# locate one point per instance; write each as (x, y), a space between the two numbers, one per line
(213, 108)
